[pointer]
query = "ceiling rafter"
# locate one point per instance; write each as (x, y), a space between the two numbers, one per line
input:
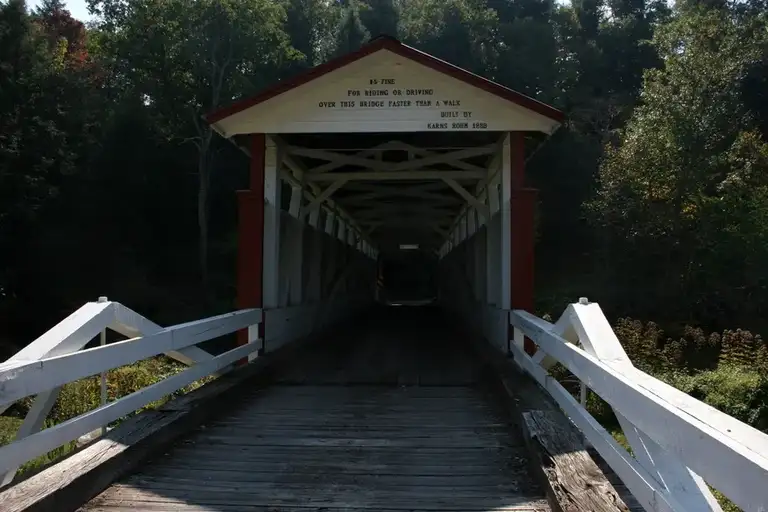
(471, 200)
(299, 171)
(396, 175)
(315, 203)
(452, 158)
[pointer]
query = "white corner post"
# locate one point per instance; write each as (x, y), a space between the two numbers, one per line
(492, 232)
(505, 225)
(330, 219)
(342, 230)
(271, 282)
(103, 383)
(296, 242)
(316, 254)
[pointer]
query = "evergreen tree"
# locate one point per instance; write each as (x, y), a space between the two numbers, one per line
(351, 33)
(380, 17)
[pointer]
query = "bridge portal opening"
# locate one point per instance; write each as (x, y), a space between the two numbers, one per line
(406, 180)
(407, 277)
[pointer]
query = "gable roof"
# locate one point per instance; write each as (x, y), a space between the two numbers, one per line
(393, 45)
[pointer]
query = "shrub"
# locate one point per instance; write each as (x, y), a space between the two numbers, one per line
(736, 390)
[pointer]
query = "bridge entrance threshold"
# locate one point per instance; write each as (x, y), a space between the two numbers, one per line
(392, 416)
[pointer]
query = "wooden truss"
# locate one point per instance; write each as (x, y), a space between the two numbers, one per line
(393, 186)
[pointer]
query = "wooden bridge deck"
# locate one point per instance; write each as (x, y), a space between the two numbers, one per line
(391, 417)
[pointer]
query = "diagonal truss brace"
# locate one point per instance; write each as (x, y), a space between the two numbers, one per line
(464, 193)
(315, 203)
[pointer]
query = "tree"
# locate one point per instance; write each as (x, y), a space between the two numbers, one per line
(380, 17)
(66, 35)
(48, 124)
(462, 32)
(351, 33)
(310, 25)
(187, 59)
(684, 195)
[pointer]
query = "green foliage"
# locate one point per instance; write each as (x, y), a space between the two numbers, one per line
(113, 112)
(42, 125)
(111, 184)
(691, 350)
(460, 31)
(351, 34)
(683, 195)
(741, 392)
(311, 26)
(84, 395)
(380, 17)
(727, 371)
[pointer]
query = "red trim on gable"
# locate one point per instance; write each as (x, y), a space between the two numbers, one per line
(396, 47)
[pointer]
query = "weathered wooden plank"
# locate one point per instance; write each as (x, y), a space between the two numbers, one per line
(573, 481)
(328, 497)
(348, 447)
(396, 348)
(447, 438)
(369, 395)
(392, 479)
(366, 392)
(349, 440)
(194, 451)
(523, 396)
(321, 483)
(373, 395)
(354, 407)
(181, 506)
(488, 436)
(408, 417)
(91, 470)
(621, 488)
(301, 424)
(343, 466)
(351, 413)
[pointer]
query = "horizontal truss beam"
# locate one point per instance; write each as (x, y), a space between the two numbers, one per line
(396, 175)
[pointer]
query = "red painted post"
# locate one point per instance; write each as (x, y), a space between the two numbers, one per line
(517, 154)
(523, 209)
(523, 235)
(250, 246)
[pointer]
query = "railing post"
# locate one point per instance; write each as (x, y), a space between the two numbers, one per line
(103, 341)
(252, 228)
(670, 472)
(583, 387)
(519, 339)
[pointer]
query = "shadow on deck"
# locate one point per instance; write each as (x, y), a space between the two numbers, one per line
(393, 414)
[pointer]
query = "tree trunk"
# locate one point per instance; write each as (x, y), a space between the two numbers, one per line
(203, 174)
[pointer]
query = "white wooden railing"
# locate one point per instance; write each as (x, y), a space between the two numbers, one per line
(679, 443)
(57, 358)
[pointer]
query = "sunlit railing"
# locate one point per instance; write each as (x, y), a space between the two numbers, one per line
(678, 442)
(57, 358)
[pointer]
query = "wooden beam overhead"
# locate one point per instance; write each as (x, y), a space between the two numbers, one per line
(396, 175)
(471, 200)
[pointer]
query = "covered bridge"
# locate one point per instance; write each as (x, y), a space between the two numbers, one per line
(379, 180)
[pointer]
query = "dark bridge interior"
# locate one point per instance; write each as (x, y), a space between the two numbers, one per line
(407, 275)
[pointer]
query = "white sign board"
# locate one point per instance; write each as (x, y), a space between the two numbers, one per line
(386, 98)
(385, 92)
